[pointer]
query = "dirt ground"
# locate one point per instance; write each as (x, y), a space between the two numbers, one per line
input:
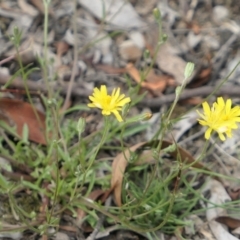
(90, 45)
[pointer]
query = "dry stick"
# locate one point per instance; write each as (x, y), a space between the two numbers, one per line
(40, 87)
(75, 52)
(188, 93)
(154, 102)
(5, 60)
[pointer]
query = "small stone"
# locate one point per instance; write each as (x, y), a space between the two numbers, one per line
(220, 13)
(137, 38)
(61, 236)
(129, 51)
(211, 42)
(193, 39)
(82, 66)
(11, 235)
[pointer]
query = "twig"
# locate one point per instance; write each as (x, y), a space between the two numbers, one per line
(5, 60)
(188, 93)
(78, 91)
(35, 86)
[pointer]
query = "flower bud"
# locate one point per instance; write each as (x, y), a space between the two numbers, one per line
(81, 125)
(156, 14)
(188, 70)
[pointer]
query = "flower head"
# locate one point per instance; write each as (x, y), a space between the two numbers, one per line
(108, 103)
(221, 117)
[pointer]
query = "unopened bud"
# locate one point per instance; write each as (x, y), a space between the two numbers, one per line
(188, 70)
(157, 14)
(146, 54)
(147, 116)
(170, 148)
(81, 125)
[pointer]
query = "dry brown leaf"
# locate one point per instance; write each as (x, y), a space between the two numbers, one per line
(234, 193)
(133, 72)
(61, 48)
(170, 63)
(118, 169)
(229, 221)
(154, 82)
(27, 8)
(192, 101)
(16, 112)
(40, 6)
(201, 78)
(196, 28)
(129, 51)
(120, 163)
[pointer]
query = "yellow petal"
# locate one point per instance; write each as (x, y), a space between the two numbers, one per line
(103, 90)
(91, 105)
(208, 133)
(220, 102)
(228, 105)
(206, 108)
(105, 112)
(221, 136)
(117, 115)
(124, 101)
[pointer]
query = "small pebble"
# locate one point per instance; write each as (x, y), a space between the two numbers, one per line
(220, 13)
(128, 50)
(137, 38)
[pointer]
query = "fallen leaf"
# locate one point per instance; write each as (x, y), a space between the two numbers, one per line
(153, 82)
(201, 78)
(170, 63)
(40, 6)
(16, 112)
(119, 13)
(129, 51)
(234, 193)
(192, 101)
(133, 72)
(120, 163)
(156, 83)
(229, 221)
(27, 8)
(61, 48)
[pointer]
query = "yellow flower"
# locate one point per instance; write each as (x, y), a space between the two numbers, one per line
(108, 103)
(221, 117)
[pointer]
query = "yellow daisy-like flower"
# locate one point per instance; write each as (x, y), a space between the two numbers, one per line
(221, 117)
(108, 103)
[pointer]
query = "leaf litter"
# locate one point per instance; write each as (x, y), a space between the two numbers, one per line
(196, 32)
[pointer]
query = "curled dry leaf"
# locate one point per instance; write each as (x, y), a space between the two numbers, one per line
(229, 221)
(18, 113)
(120, 164)
(153, 82)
